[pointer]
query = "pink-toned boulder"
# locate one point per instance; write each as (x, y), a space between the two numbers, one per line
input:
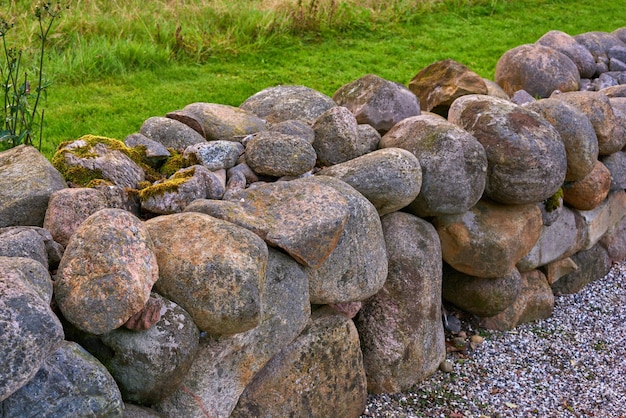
(275, 154)
(538, 69)
(566, 44)
(588, 192)
(107, 271)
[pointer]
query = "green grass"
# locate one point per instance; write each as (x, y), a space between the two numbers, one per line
(116, 63)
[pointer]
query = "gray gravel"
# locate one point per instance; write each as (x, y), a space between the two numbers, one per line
(572, 364)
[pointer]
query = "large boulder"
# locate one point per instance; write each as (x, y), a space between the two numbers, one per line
(218, 122)
(284, 102)
(170, 132)
(453, 163)
(489, 239)
(306, 219)
(599, 43)
(526, 156)
(377, 102)
(275, 154)
(337, 137)
(400, 327)
(70, 383)
(323, 366)
(213, 269)
(442, 82)
(538, 69)
(223, 368)
(389, 178)
(107, 271)
(576, 132)
(27, 180)
(31, 332)
(566, 44)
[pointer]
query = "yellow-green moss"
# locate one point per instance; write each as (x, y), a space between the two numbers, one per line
(176, 162)
(554, 202)
(168, 186)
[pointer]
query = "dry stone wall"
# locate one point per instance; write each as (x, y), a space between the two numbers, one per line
(290, 255)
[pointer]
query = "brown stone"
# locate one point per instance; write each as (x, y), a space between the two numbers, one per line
(590, 191)
(148, 316)
(557, 269)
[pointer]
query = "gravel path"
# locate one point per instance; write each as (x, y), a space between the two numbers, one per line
(572, 364)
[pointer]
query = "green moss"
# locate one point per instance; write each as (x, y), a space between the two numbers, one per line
(554, 202)
(168, 186)
(175, 162)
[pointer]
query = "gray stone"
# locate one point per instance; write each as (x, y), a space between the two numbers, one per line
(24, 241)
(323, 366)
(593, 264)
(337, 137)
(70, 383)
(377, 102)
(215, 155)
(603, 218)
(614, 241)
(526, 157)
(294, 128)
(154, 151)
(598, 43)
(136, 411)
(369, 138)
(106, 272)
(567, 45)
(453, 162)
(400, 327)
(616, 163)
(170, 133)
(218, 122)
(275, 154)
(223, 368)
(213, 269)
(27, 180)
(617, 52)
(389, 178)
(32, 273)
(281, 103)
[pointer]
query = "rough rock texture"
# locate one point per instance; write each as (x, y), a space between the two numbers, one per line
(557, 269)
(337, 137)
(576, 132)
(31, 332)
(294, 128)
(213, 269)
(599, 43)
(439, 84)
(481, 296)
(27, 180)
(535, 301)
(377, 102)
(169, 132)
(155, 152)
(590, 191)
(323, 367)
(609, 128)
(616, 164)
(603, 218)
(568, 45)
(489, 239)
(538, 69)
(32, 242)
(614, 241)
(215, 155)
(223, 368)
(593, 264)
(275, 154)
(70, 383)
(453, 163)
(357, 268)
(281, 103)
(32, 273)
(389, 178)
(303, 218)
(525, 154)
(219, 122)
(106, 272)
(400, 327)
(68, 208)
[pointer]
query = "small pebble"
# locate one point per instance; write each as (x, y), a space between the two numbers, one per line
(477, 339)
(446, 366)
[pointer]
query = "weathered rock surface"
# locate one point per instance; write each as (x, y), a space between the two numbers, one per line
(526, 157)
(281, 103)
(68, 208)
(218, 122)
(337, 137)
(70, 383)
(616, 164)
(453, 163)
(377, 102)
(27, 180)
(535, 301)
(400, 327)
(223, 368)
(170, 132)
(294, 128)
(576, 132)
(439, 84)
(32, 273)
(303, 218)
(357, 267)
(215, 155)
(32, 242)
(614, 241)
(590, 191)
(213, 269)
(566, 44)
(155, 152)
(107, 271)
(31, 332)
(480, 296)
(599, 43)
(323, 366)
(275, 154)
(389, 178)
(489, 239)
(603, 218)
(538, 69)
(593, 264)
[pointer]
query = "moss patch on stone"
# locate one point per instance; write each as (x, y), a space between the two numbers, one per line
(554, 202)
(170, 185)
(175, 162)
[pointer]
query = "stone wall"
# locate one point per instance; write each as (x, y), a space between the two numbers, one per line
(290, 255)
